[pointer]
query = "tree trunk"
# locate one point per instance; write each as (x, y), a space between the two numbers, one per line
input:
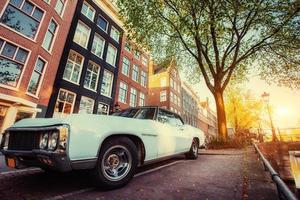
(222, 124)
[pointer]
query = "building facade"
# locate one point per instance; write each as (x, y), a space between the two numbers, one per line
(207, 120)
(165, 86)
(87, 75)
(32, 37)
(132, 83)
(190, 107)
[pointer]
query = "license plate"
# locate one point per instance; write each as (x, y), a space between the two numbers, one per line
(11, 162)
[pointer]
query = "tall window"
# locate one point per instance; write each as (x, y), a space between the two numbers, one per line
(142, 99)
(163, 82)
(59, 6)
(98, 46)
(73, 68)
(143, 79)
(125, 66)
(65, 103)
(111, 55)
(135, 73)
(22, 16)
(123, 92)
(107, 82)
(133, 94)
(12, 60)
(115, 34)
(91, 76)
(127, 47)
(171, 82)
(82, 34)
(88, 11)
(163, 96)
(144, 61)
(171, 96)
(35, 80)
(51, 31)
(103, 109)
(86, 105)
(136, 54)
(102, 23)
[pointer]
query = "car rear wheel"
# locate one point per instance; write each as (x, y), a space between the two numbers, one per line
(116, 163)
(193, 153)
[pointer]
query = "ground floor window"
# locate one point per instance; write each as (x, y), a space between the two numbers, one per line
(103, 109)
(64, 103)
(86, 105)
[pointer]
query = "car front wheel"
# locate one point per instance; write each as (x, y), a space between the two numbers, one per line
(117, 163)
(193, 153)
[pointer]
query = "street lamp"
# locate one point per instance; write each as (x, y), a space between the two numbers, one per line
(266, 98)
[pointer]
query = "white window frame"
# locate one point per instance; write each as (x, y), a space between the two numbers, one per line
(143, 78)
(21, 34)
(144, 61)
(90, 8)
(16, 88)
(142, 100)
(108, 107)
(163, 81)
(80, 36)
(130, 98)
(54, 36)
(163, 96)
(97, 79)
(115, 56)
(128, 67)
(124, 89)
(103, 45)
(127, 43)
(137, 54)
(111, 84)
(115, 34)
(79, 76)
(87, 98)
(41, 80)
(135, 70)
(72, 107)
(63, 9)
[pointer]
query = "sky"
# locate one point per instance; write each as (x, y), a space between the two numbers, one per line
(285, 101)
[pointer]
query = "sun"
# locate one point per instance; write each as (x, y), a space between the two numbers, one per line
(282, 111)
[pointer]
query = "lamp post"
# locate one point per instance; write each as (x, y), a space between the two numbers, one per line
(266, 97)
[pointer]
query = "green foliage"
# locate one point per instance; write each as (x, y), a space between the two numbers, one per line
(221, 38)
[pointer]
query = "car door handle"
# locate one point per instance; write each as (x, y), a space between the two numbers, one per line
(181, 129)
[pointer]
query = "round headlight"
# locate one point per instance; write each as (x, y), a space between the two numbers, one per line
(53, 140)
(44, 141)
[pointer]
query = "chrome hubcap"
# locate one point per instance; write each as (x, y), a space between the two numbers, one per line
(116, 163)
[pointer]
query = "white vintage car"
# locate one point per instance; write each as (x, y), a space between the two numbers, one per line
(111, 146)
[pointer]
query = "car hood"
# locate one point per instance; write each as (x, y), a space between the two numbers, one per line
(70, 119)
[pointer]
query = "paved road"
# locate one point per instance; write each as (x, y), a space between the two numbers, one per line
(229, 174)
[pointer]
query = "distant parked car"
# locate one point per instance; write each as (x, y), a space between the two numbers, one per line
(111, 146)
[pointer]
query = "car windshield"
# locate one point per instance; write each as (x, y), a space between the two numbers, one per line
(139, 113)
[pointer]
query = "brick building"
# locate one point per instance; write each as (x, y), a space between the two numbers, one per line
(87, 75)
(165, 85)
(32, 37)
(190, 107)
(132, 83)
(207, 120)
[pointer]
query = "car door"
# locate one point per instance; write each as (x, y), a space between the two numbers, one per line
(183, 136)
(167, 144)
